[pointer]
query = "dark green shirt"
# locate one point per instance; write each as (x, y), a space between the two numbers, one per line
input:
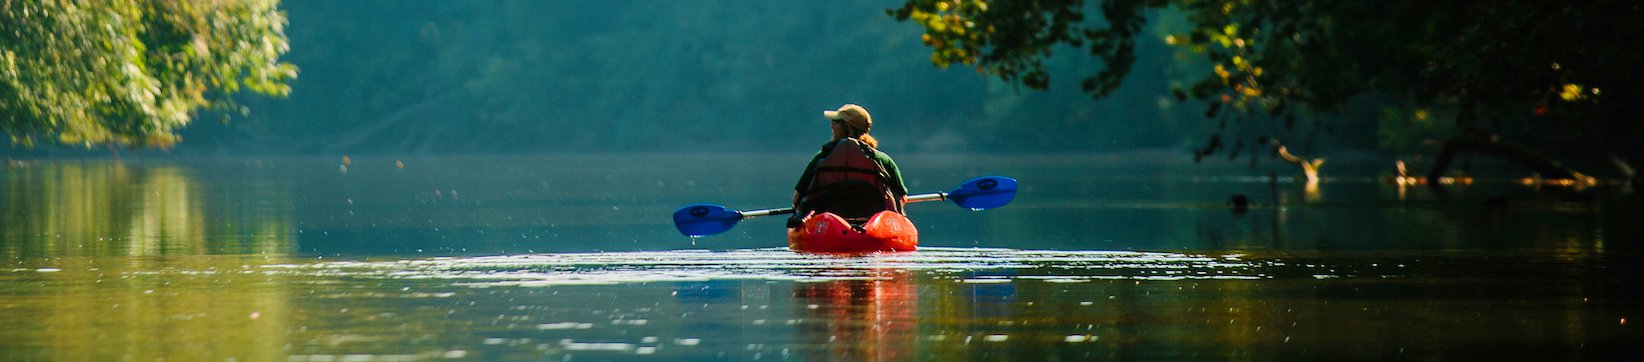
(891, 171)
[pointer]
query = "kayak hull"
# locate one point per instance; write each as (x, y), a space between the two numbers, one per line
(829, 233)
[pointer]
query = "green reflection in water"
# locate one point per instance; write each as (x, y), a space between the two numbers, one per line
(145, 309)
(116, 261)
(99, 208)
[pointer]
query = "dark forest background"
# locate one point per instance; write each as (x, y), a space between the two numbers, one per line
(439, 77)
(420, 77)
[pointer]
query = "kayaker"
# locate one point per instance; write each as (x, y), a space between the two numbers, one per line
(854, 181)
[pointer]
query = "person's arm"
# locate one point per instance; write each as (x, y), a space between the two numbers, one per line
(894, 173)
(805, 179)
(800, 188)
(895, 179)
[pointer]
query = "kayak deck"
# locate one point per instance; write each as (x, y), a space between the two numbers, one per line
(829, 233)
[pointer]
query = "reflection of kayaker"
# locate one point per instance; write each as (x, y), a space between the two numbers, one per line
(870, 319)
(851, 195)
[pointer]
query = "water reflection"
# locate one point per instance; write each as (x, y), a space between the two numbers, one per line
(108, 261)
(186, 308)
(100, 208)
(937, 304)
(71, 230)
(874, 318)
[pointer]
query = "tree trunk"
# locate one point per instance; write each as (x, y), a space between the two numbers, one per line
(1473, 138)
(1493, 145)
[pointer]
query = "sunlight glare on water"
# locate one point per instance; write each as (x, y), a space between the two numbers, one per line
(779, 264)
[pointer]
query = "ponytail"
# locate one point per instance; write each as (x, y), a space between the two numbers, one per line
(869, 140)
(860, 136)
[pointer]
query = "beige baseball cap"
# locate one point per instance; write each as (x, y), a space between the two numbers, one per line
(852, 114)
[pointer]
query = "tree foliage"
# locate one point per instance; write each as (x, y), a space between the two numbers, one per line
(1533, 72)
(506, 76)
(132, 72)
(433, 76)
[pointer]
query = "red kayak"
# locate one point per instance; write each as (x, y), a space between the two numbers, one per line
(829, 233)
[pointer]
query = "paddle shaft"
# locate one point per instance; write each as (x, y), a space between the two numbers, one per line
(977, 194)
(934, 196)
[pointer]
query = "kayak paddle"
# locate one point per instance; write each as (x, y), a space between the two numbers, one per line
(978, 194)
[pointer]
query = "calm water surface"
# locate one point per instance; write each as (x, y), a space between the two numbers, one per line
(573, 258)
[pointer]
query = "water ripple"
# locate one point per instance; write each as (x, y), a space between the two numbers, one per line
(963, 264)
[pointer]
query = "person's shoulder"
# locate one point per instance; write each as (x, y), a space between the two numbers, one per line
(882, 156)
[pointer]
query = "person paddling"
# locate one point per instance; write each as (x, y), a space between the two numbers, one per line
(849, 176)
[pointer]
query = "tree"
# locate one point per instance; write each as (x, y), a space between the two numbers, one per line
(1525, 80)
(589, 76)
(132, 72)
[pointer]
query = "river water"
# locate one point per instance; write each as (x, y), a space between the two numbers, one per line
(573, 257)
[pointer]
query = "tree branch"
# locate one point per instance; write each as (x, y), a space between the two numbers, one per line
(1309, 168)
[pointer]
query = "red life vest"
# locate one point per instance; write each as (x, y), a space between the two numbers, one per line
(849, 182)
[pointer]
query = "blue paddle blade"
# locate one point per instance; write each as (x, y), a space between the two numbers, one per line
(984, 192)
(704, 219)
